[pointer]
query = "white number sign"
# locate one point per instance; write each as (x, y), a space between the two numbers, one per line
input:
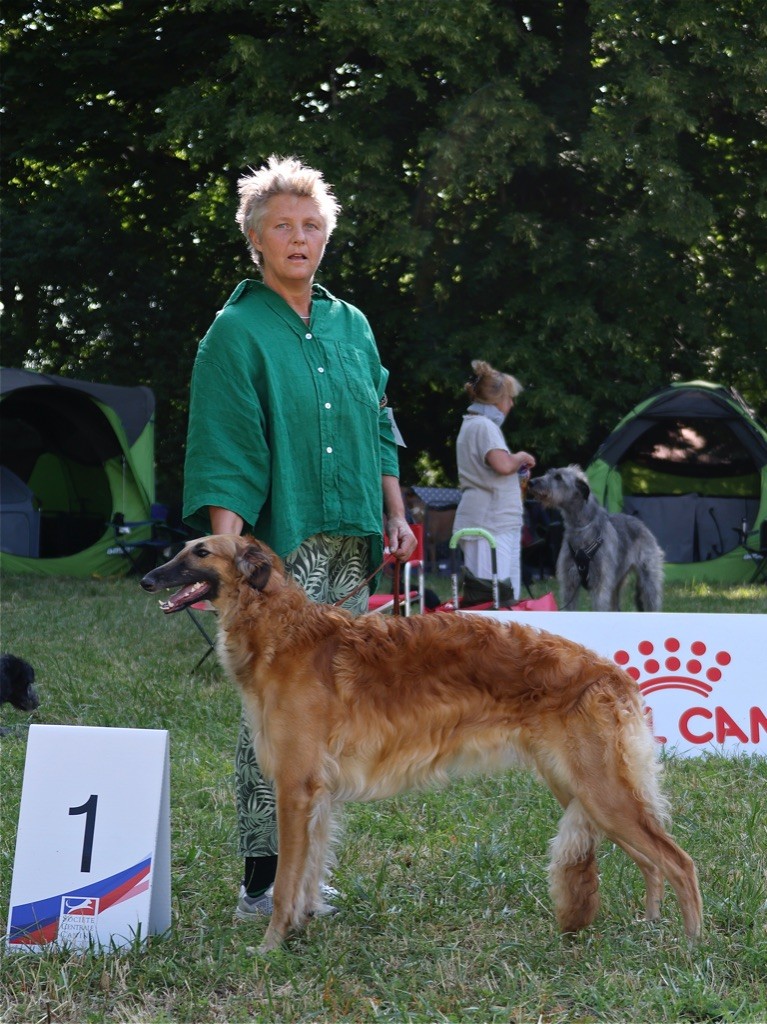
(92, 864)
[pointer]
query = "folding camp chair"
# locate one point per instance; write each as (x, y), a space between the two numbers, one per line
(201, 606)
(385, 602)
(143, 542)
(757, 554)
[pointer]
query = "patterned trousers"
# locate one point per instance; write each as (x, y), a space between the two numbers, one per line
(327, 568)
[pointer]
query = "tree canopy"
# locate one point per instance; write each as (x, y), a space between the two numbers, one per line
(574, 191)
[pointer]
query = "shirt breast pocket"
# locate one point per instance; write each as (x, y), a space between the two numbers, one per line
(357, 373)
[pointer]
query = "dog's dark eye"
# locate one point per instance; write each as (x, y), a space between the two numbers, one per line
(201, 551)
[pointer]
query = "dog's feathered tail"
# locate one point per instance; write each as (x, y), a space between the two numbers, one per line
(621, 798)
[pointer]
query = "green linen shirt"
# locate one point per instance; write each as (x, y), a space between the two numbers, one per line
(286, 427)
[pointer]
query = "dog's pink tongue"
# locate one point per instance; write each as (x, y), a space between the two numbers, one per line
(183, 597)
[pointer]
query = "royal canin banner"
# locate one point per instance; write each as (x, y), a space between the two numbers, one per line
(703, 677)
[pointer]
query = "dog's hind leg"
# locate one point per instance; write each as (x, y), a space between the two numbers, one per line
(649, 588)
(674, 864)
(653, 881)
(633, 825)
(615, 778)
(573, 874)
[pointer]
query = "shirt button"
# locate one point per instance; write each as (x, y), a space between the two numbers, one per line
(329, 450)
(327, 405)
(308, 337)
(320, 369)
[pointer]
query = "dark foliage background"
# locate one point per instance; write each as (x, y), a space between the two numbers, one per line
(574, 191)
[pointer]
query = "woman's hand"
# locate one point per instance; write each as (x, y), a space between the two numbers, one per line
(505, 464)
(402, 542)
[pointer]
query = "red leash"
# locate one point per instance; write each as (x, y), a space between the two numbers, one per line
(358, 588)
(395, 587)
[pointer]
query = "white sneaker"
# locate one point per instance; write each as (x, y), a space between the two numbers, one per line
(250, 907)
(328, 896)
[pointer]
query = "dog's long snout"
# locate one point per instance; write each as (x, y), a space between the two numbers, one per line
(154, 580)
(163, 576)
(149, 584)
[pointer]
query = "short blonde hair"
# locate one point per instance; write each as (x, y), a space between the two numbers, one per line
(489, 386)
(282, 176)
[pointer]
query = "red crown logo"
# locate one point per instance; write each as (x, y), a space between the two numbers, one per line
(670, 668)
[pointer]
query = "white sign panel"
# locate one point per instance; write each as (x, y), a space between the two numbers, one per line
(703, 677)
(92, 864)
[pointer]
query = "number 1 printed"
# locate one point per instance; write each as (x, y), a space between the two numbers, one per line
(89, 810)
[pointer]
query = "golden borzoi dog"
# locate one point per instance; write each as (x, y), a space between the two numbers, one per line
(347, 708)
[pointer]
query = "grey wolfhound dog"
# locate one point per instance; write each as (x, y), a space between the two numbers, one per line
(599, 549)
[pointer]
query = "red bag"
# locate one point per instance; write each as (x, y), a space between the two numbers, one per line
(547, 603)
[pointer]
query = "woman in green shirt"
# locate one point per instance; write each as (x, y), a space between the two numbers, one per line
(289, 436)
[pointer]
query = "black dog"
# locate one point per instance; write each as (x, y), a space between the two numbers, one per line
(17, 678)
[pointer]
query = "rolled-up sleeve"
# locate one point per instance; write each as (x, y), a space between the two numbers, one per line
(227, 459)
(389, 453)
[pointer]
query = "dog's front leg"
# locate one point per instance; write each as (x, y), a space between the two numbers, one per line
(295, 804)
(602, 599)
(569, 583)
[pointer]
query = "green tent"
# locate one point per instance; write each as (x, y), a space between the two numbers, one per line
(75, 457)
(691, 462)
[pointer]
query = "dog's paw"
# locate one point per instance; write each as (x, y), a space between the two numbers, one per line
(272, 940)
(269, 943)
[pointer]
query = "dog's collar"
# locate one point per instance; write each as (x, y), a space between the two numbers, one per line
(582, 558)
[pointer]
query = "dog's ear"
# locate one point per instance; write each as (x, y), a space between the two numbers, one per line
(255, 565)
(583, 487)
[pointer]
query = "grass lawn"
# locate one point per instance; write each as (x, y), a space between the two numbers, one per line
(445, 914)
